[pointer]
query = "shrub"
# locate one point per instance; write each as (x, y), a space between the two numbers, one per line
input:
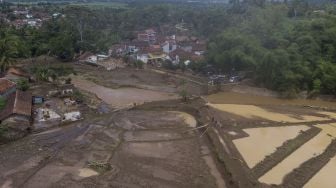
(22, 84)
(2, 103)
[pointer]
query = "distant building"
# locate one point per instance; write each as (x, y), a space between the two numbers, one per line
(148, 35)
(88, 57)
(169, 46)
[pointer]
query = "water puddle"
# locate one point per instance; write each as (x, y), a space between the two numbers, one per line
(313, 147)
(266, 139)
(86, 172)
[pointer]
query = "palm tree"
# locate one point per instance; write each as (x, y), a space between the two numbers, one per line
(8, 51)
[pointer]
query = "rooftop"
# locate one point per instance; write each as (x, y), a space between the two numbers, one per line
(17, 103)
(5, 85)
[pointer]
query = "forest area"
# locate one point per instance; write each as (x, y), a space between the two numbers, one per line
(289, 47)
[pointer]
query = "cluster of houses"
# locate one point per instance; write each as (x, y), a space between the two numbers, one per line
(153, 48)
(20, 17)
(48, 107)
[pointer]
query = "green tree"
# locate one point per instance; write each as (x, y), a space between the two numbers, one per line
(8, 50)
(22, 84)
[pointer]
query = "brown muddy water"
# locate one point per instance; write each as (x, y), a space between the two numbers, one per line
(263, 141)
(252, 112)
(239, 98)
(325, 176)
(313, 147)
(123, 96)
(267, 139)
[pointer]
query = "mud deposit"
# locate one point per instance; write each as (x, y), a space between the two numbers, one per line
(251, 111)
(122, 96)
(276, 143)
(239, 98)
(125, 149)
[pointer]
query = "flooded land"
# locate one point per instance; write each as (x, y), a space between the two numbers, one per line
(149, 137)
(121, 96)
(267, 139)
(313, 147)
(282, 143)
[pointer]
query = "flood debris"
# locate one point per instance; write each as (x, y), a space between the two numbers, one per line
(72, 116)
(100, 167)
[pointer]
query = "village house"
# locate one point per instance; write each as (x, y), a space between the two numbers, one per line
(88, 57)
(199, 48)
(169, 46)
(152, 55)
(7, 88)
(148, 35)
(118, 50)
(18, 107)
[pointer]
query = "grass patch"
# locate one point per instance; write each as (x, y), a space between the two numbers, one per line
(99, 166)
(2, 103)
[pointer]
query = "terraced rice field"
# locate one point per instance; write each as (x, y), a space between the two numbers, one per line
(264, 141)
(312, 148)
(251, 111)
(293, 146)
(325, 176)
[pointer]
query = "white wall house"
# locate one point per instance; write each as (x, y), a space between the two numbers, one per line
(168, 47)
(143, 57)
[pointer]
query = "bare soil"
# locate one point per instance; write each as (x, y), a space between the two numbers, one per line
(169, 157)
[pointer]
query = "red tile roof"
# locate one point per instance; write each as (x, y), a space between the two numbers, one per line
(17, 103)
(5, 85)
(23, 103)
(8, 109)
(199, 47)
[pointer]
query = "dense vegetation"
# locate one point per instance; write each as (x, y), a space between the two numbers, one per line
(289, 47)
(287, 51)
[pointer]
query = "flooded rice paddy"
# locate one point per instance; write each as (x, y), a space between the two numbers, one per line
(123, 96)
(264, 141)
(324, 178)
(252, 112)
(239, 98)
(310, 149)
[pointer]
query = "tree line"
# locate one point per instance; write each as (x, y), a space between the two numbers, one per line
(289, 47)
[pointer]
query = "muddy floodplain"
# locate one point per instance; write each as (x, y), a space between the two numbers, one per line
(125, 149)
(287, 145)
